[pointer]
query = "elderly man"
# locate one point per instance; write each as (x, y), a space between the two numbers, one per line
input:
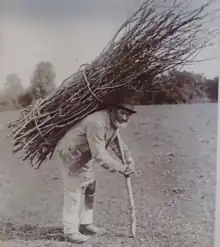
(81, 148)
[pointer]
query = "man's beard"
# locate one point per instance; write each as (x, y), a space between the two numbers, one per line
(121, 125)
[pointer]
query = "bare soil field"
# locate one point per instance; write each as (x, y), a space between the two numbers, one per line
(175, 151)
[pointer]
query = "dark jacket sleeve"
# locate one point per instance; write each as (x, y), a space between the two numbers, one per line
(95, 132)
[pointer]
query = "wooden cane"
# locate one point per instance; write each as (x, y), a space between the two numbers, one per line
(130, 195)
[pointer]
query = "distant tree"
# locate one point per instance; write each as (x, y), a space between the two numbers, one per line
(43, 80)
(13, 89)
(184, 85)
(13, 84)
(3, 101)
(190, 84)
(25, 99)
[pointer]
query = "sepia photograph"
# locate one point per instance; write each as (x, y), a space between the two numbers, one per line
(109, 123)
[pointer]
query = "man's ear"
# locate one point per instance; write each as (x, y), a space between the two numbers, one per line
(113, 109)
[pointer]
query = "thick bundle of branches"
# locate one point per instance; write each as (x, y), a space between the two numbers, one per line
(154, 40)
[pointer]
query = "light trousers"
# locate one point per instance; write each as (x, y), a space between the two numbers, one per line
(79, 193)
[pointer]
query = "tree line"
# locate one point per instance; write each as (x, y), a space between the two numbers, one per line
(194, 88)
(42, 83)
(182, 87)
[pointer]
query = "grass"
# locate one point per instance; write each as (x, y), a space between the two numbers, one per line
(174, 148)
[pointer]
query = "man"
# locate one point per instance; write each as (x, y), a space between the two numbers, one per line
(81, 148)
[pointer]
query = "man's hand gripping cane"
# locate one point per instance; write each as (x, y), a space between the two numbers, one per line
(130, 169)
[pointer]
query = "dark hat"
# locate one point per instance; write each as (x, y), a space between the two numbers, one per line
(127, 107)
(126, 103)
(125, 100)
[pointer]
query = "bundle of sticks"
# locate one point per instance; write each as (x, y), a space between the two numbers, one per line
(154, 40)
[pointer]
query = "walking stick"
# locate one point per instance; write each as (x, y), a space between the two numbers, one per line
(130, 195)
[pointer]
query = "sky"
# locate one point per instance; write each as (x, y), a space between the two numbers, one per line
(68, 33)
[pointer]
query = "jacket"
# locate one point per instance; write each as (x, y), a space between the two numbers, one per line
(88, 140)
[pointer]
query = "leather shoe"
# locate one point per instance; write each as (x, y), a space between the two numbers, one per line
(92, 230)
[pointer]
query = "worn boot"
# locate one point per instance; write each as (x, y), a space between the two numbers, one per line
(77, 238)
(91, 229)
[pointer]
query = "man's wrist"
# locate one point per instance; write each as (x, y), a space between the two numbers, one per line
(123, 168)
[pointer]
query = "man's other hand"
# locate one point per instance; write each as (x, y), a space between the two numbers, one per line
(130, 169)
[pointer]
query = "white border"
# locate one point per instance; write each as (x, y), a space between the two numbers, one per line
(217, 197)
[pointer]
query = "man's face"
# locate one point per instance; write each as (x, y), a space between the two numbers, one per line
(121, 117)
